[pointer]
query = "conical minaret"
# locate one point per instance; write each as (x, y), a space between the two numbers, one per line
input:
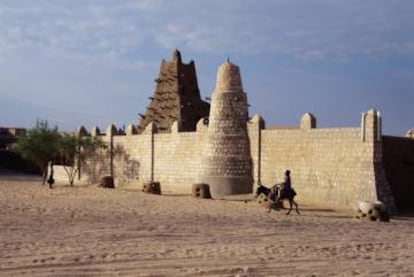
(226, 162)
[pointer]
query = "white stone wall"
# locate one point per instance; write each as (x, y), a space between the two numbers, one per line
(330, 167)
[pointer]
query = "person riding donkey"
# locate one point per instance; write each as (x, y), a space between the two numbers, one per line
(284, 191)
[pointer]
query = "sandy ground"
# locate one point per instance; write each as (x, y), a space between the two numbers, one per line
(90, 231)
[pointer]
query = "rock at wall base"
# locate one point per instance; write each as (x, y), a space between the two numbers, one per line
(373, 211)
(201, 190)
(107, 182)
(151, 187)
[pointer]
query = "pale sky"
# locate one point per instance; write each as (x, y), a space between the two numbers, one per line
(93, 62)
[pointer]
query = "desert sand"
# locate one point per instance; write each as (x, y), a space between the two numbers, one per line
(91, 231)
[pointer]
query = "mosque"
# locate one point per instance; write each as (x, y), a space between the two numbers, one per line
(181, 140)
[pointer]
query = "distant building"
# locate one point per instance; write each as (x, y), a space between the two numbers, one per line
(9, 136)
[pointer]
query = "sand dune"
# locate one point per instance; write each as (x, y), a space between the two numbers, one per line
(90, 231)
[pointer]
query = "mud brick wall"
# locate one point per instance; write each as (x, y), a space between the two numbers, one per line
(59, 174)
(177, 160)
(131, 159)
(328, 166)
(172, 159)
(332, 167)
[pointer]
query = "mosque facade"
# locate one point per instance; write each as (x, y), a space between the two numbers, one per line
(181, 140)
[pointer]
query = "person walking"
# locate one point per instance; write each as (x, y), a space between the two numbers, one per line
(51, 180)
(287, 192)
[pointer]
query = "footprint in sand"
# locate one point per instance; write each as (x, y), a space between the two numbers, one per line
(47, 259)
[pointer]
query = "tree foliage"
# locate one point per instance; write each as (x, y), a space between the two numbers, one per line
(43, 144)
(40, 145)
(73, 150)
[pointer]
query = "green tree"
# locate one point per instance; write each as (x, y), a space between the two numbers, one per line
(73, 150)
(39, 145)
(43, 144)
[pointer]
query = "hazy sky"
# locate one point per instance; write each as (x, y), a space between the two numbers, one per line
(93, 62)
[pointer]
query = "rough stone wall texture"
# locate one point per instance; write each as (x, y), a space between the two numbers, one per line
(334, 167)
(330, 167)
(371, 126)
(97, 164)
(226, 162)
(59, 174)
(177, 161)
(172, 159)
(131, 156)
(254, 127)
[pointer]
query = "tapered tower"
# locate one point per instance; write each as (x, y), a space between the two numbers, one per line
(226, 162)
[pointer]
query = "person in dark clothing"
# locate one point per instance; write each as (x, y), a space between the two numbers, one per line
(285, 191)
(287, 184)
(50, 180)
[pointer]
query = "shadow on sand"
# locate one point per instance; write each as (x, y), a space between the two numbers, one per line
(8, 175)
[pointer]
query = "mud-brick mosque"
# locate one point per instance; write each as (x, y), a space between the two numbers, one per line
(181, 140)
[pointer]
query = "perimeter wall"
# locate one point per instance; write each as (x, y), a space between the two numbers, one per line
(330, 167)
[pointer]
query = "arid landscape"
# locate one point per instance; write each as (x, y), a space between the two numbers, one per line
(91, 231)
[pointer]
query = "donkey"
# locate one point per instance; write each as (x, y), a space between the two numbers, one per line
(277, 193)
